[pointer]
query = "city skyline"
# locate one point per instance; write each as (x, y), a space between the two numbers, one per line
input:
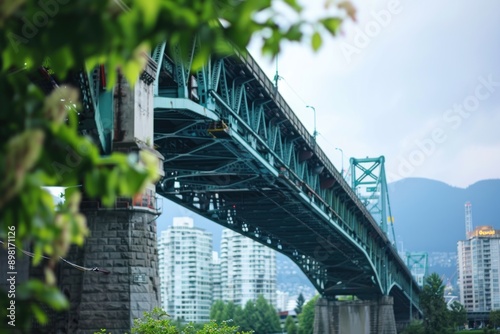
(193, 276)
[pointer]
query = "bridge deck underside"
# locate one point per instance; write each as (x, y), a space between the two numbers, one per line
(237, 154)
(223, 182)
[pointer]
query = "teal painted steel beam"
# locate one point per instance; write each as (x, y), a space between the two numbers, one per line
(280, 187)
(370, 183)
(96, 118)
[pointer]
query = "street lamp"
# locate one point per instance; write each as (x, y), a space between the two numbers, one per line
(342, 161)
(315, 132)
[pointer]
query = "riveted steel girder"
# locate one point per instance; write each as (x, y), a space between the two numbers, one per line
(246, 162)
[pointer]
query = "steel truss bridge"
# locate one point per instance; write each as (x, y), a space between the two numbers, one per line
(236, 154)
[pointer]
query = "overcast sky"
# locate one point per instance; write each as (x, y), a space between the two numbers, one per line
(417, 82)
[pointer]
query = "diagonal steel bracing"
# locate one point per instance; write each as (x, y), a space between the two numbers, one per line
(247, 163)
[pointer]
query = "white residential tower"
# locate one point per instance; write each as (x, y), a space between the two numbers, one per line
(248, 269)
(185, 266)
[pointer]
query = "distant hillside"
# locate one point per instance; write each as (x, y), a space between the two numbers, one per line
(429, 215)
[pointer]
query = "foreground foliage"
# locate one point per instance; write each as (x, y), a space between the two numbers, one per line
(159, 322)
(40, 144)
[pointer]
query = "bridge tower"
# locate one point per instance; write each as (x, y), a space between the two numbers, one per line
(369, 182)
(418, 264)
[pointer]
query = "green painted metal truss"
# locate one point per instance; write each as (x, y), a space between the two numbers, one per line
(236, 154)
(370, 184)
(418, 263)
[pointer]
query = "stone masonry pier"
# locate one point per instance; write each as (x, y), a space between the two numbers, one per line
(122, 242)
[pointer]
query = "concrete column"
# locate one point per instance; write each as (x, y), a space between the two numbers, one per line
(357, 316)
(386, 320)
(324, 317)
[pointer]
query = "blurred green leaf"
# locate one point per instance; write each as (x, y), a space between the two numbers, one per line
(332, 24)
(40, 142)
(316, 41)
(40, 316)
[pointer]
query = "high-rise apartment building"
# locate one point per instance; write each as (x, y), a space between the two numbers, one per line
(216, 277)
(185, 266)
(479, 270)
(248, 269)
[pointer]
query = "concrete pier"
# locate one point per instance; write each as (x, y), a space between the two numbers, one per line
(358, 316)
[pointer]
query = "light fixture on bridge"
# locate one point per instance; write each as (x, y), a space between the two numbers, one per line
(315, 133)
(318, 169)
(342, 160)
(327, 182)
(305, 155)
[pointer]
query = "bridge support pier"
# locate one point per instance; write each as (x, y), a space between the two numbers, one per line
(123, 242)
(357, 316)
(122, 239)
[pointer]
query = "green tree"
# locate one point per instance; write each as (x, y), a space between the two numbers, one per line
(260, 317)
(415, 327)
(268, 320)
(306, 318)
(458, 314)
(217, 311)
(300, 303)
(223, 328)
(40, 131)
(495, 318)
(290, 326)
(229, 311)
(249, 316)
(239, 317)
(154, 322)
(436, 315)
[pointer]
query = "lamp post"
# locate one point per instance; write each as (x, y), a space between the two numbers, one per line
(342, 160)
(315, 132)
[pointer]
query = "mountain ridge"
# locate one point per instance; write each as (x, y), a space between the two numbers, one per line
(429, 215)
